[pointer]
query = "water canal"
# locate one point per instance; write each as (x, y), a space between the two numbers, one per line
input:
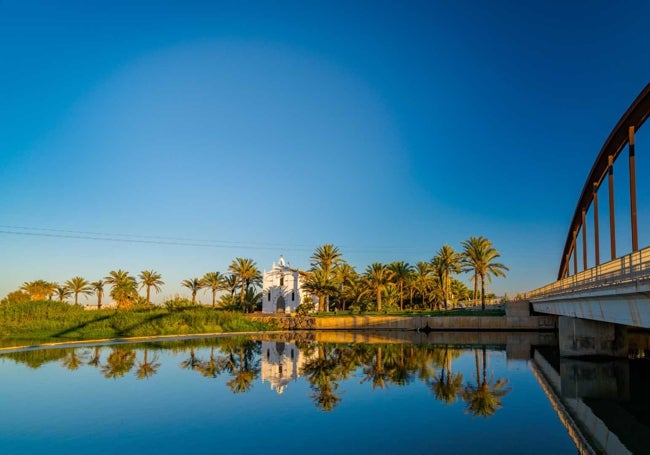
(323, 393)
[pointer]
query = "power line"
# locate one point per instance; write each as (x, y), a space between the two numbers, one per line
(151, 237)
(143, 241)
(175, 241)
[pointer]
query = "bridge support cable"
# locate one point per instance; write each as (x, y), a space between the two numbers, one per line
(635, 235)
(575, 252)
(584, 241)
(596, 231)
(612, 216)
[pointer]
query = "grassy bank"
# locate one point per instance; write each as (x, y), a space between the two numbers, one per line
(49, 320)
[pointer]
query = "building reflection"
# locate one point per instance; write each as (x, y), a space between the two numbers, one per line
(282, 363)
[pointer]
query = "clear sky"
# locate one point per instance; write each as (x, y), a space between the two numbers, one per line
(259, 129)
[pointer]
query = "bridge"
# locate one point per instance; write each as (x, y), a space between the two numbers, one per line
(598, 305)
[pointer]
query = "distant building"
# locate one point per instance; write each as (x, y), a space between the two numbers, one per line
(282, 290)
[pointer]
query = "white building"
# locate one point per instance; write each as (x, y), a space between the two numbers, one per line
(281, 289)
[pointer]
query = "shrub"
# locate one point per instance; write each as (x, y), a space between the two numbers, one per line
(305, 308)
(15, 297)
(178, 303)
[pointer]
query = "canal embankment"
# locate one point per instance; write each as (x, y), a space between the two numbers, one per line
(518, 317)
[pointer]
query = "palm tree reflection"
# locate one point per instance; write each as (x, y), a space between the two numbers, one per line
(72, 361)
(484, 398)
(147, 367)
(192, 362)
(321, 371)
(447, 385)
(118, 363)
(95, 359)
(245, 366)
(324, 366)
(213, 367)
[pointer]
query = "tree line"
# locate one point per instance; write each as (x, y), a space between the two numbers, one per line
(336, 283)
(399, 285)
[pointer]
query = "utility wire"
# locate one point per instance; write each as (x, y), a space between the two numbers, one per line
(174, 241)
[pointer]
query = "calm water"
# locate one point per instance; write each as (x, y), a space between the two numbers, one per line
(283, 395)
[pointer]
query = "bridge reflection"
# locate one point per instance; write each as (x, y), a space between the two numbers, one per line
(605, 405)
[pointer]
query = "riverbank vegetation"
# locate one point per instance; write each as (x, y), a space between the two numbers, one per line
(383, 288)
(52, 320)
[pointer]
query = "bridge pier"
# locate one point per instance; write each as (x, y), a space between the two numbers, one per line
(584, 337)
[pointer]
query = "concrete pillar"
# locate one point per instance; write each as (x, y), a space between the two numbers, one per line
(584, 337)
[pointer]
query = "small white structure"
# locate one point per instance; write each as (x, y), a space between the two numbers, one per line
(281, 289)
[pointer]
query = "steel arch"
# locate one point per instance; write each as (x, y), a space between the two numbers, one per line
(635, 116)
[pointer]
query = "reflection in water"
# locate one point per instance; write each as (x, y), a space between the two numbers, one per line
(447, 385)
(604, 404)
(484, 397)
(324, 366)
(118, 363)
(73, 360)
(147, 367)
(281, 363)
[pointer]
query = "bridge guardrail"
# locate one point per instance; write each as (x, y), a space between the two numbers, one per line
(626, 269)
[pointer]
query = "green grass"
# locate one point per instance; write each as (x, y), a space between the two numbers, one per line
(48, 320)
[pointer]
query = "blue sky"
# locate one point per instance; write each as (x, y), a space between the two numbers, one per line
(386, 128)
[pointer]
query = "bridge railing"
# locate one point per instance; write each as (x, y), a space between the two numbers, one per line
(626, 269)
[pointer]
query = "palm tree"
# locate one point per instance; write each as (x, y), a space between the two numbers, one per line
(377, 277)
(401, 273)
(124, 287)
(98, 288)
(231, 282)
(325, 257)
(391, 296)
(39, 289)
(194, 285)
(247, 273)
(459, 290)
(344, 277)
(62, 293)
(51, 289)
(446, 262)
(78, 285)
(252, 299)
(479, 257)
(150, 279)
(422, 280)
(318, 284)
(215, 282)
(471, 258)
